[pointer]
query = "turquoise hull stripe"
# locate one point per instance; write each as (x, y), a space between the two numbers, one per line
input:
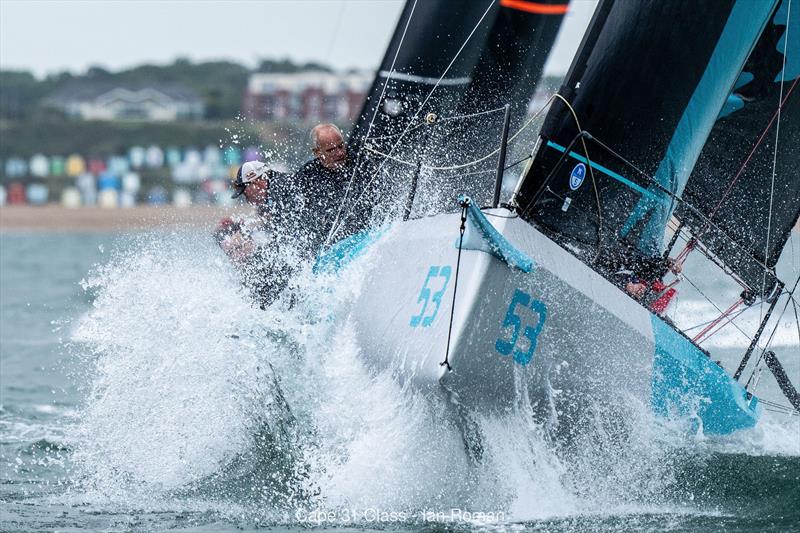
(345, 251)
(687, 383)
(745, 24)
(492, 242)
(604, 170)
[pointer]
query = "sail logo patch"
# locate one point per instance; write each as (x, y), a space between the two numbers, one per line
(577, 176)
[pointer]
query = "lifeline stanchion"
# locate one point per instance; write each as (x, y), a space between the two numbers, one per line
(501, 161)
(464, 204)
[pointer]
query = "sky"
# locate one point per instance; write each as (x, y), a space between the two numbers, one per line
(46, 36)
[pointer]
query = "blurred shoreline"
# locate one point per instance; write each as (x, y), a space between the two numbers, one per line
(55, 218)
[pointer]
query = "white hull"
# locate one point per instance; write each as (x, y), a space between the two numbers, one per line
(591, 339)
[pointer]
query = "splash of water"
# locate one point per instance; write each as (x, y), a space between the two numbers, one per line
(198, 395)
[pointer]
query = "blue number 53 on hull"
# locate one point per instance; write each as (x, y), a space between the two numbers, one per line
(513, 320)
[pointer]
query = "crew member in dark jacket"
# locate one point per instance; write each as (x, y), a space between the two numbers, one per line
(306, 205)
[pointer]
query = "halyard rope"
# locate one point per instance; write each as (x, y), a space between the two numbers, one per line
(369, 127)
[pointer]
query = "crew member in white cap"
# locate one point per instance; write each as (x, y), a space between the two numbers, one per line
(252, 180)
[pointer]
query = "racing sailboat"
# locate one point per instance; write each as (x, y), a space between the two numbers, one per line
(486, 305)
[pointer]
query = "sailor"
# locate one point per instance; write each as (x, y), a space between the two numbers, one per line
(644, 282)
(249, 242)
(252, 181)
(296, 212)
(313, 200)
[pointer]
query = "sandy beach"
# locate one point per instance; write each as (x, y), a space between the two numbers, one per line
(61, 219)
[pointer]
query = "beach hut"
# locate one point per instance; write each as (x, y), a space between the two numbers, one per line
(232, 156)
(97, 166)
(157, 195)
(127, 199)
(71, 197)
(154, 156)
(87, 186)
(37, 193)
(39, 166)
(173, 156)
(76, 165)
(212, 155)
(136, 156)
(107, 181)
(118, 165)
(131, 182)
(58, 166)
(108, 198)
(252, 153)
(16, 193)
(192, 156)
(181, 198)
(16, 167)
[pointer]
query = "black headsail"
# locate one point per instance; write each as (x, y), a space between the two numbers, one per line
(648, 83)
(478, 55)
(732, 183)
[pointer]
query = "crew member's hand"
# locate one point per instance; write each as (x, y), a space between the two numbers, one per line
(674, 267)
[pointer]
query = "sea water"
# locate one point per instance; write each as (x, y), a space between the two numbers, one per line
(142, 391)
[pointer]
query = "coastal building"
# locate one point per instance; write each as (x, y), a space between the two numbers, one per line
(311, 96)
(91, 100)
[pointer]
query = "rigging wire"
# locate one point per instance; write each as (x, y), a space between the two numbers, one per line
(704, 335)
(371, 122)
(336, 27)
(774, 330)
(746, 336)
(707, 322)
(775, 151)
(471, 115)
(336, 223)
(796, 317)
(480, 159)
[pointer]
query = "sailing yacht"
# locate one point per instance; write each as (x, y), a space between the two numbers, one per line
(676, 122)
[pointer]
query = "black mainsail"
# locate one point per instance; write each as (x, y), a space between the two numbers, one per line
(428, 36)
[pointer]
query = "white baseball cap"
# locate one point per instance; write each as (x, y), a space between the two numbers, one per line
(248, 173)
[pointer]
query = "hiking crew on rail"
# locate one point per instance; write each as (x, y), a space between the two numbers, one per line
(295, 213)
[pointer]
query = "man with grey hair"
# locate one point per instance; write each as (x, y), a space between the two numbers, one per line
(306, 204)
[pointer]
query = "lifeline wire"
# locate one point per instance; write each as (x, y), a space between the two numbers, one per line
(398, 160)
(461, 229)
